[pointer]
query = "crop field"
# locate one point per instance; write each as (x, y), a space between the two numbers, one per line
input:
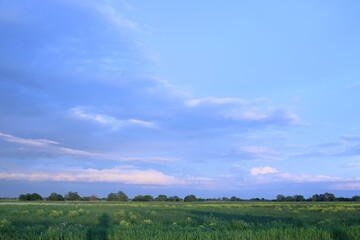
(162, 220)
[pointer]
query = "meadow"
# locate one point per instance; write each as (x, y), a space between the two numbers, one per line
(163, 220)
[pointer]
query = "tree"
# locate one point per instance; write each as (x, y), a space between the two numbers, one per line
(315, 197)
(190, 198)
(22, 197)
(225, 199)
(161, 198)
(280, 198)
(299, 198)
(234, 199)
(93, 197)
(141, 198)
(289, 199)
(72, 196)
(30, 197)
(35, 197)
(355, 198)
(174, 199)
(111, 197)
(55, 197)
(121, 196)
(329, 197)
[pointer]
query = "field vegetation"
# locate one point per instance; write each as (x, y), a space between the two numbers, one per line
(67, 220)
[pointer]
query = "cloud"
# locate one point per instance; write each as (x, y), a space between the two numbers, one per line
(350, 185)
(255, 152)
(114, 123)
(263, 170)
(53, 149)
(214, 101)
(304, 178)
(142, 177)
(272, 117)
(32, 142)
(85, 82)
(351, 138)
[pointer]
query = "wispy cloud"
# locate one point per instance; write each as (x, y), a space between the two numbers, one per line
(53, 148)
(351, 138)
(349, 185)
(276, 117)
(214, 101)
(304, 178)
(127, 176)
(263, 170)
(118, 19)
(110, 121)
(32, 142)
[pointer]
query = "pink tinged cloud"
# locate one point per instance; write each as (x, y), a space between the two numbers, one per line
(141, 177)
(263, 170)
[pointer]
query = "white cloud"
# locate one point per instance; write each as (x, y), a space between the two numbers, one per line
(117, 19)
(263, 170)
(114, 123)
(303, 178)
(127, 176)
(53, 148)
(265, 116)
(27, 141)
(352, 185)
(142, 123)
(213, 101)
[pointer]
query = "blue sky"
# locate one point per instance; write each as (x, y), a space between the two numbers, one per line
(244, 98)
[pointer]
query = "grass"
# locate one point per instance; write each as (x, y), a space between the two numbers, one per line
(155, 220)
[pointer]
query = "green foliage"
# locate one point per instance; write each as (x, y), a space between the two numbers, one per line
(190, 198)
(141, 198)
(189, 220)
(72, 196)
(161, 198)
(119, 196)
(30, 197)
(55, 197)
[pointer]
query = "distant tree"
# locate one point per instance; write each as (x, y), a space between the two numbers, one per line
(343, 199)
(141, 198)
(329, 197)
(255, 199)
(174, 199)
(35, 197)
(121, 196)
(355, 198)
(234, 199)
(280, 198)
(161, 198)
(55, 197)
(23, 197)
(72, 196)
(289, 199)
(30, 197)
(111, 197)
(225, 199)
(93, 197)
(315, 197)
(299, 198)
(190, 198)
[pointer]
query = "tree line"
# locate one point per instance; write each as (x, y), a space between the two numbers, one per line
(122, 197)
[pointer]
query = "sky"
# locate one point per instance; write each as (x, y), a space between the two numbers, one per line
(212, 98)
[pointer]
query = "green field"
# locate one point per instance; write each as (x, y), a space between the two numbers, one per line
(157, 220)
